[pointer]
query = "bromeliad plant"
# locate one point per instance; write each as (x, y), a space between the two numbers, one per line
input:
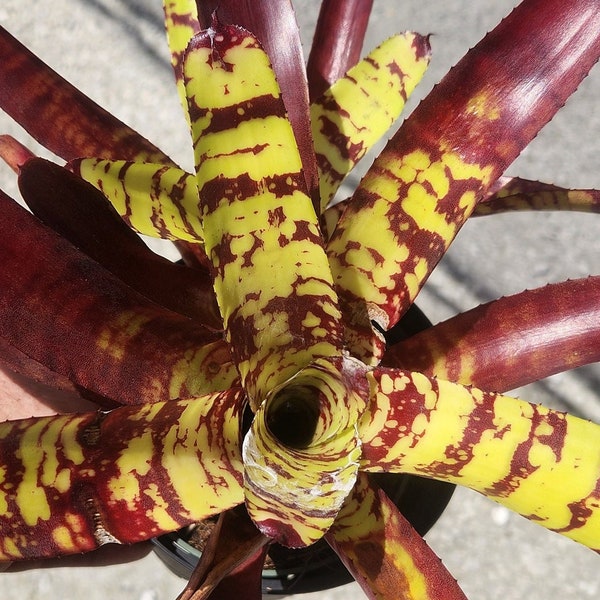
(262, 372)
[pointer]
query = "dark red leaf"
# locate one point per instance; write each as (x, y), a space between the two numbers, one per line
(337, 43)
(65, 311)
(58, 115)
(13, 153)
(80, 213)
(512, 341)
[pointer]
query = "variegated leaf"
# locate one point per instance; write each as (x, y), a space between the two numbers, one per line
(272, 283)
(353, 114)
(181, 24)
(536, 461)
(274, 25)
(272, 279)
(71, 483)
(153, 199)
(514, 193)
(386, 556)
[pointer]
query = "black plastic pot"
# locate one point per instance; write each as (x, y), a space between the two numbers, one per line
(316, 568)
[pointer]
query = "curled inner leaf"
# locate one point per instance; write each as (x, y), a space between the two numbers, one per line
(301, 454)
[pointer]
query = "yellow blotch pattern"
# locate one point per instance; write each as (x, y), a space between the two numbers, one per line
(181, 24)
(294, 493)
(538, 462)
(360, 107)
(153, 199)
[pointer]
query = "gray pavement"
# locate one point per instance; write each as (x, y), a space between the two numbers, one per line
(114, 51)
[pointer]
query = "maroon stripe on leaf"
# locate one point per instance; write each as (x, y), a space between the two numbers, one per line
(274, 25)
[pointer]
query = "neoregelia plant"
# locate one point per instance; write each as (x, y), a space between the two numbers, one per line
(297, 343)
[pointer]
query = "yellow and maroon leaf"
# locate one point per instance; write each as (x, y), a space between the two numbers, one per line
(82, 215)
(58, 115)
(153, 199)
(62, 309)
(71, 483)
(332, 55)
(272, 279)
(360, 107)
(454, 146)
(386, 556)
(514, 193)
(510, 342)
(274, 26)
(538, 462)
(181, 24)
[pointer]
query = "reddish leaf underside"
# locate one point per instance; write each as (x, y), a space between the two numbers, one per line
(232, 561)
(58, 115)
(65, 311)
(512, 341)
(332, 55)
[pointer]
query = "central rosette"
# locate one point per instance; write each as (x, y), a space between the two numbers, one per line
(301, 455)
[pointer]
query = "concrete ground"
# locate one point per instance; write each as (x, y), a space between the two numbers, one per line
(114, 51)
